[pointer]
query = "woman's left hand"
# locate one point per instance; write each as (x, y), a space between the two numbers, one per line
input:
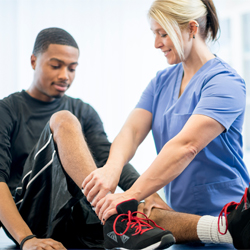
(107, 205)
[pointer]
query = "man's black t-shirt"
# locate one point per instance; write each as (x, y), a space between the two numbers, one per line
(22, 121)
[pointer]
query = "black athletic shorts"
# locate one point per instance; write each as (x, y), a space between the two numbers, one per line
(50, 202)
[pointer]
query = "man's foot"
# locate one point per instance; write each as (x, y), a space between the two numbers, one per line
(237, 217)
(127, 231)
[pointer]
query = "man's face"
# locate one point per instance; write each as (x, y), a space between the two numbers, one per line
(54, 72)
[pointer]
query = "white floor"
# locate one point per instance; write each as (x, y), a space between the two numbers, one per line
(5, 242)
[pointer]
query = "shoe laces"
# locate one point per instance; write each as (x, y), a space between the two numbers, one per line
(141, 225)
(225, 212)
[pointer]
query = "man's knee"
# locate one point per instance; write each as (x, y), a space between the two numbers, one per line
(63, 120)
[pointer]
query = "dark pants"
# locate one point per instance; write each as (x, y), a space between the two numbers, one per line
(50, 202)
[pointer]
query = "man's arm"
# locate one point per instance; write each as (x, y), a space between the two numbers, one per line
(9, 214)
(16, 226)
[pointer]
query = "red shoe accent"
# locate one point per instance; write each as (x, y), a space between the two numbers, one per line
(136, 222)
(225, 212)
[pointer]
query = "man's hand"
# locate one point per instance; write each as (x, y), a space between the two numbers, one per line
(100, 182)
(46, 244)
(152, 201)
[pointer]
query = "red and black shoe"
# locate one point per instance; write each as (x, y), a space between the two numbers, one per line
(127, 231)
(237, 216)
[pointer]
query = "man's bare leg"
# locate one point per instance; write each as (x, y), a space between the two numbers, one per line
(72, 147)
(191, 228)
(183, 226)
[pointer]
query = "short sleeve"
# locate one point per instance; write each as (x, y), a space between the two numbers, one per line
(223, 98)
(147, 97)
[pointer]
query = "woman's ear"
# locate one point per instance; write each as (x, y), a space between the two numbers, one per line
(193, 28)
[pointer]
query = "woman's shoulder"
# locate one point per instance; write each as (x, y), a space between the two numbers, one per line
(220, 77)
(217, 72)
(220, 67)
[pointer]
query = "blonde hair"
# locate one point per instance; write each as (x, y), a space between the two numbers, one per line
(174, 16)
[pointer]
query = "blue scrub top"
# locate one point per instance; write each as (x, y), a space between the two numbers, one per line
(217, 175)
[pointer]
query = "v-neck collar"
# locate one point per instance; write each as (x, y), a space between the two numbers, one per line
(180, 76)
(178, 84)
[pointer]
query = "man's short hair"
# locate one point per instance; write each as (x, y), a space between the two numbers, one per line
(52, 36)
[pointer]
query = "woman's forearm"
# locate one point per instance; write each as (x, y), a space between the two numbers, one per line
(130, 137)
(123, 148)
(171, 161)
(176, 155)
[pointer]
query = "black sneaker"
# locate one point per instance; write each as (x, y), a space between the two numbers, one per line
(127, 231)
(237, 217)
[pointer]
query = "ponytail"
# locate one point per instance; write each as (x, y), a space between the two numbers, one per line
(212, 22)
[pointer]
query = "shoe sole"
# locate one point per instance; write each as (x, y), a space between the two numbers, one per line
(166, 241)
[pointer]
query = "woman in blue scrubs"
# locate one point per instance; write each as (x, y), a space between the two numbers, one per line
(195, 109)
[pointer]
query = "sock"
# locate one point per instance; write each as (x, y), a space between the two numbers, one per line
(207, 230)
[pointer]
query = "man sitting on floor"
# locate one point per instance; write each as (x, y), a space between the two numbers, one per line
(49, 201)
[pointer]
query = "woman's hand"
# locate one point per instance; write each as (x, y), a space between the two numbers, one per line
(100, 182)
(106, 207)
